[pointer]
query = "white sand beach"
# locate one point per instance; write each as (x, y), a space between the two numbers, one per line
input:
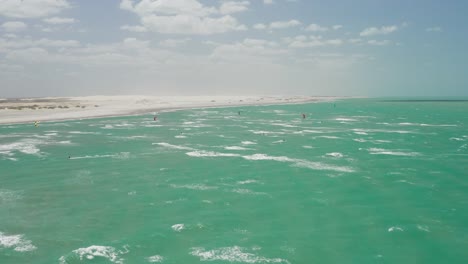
(67, 108)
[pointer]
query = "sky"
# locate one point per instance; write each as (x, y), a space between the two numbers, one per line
(369, 48)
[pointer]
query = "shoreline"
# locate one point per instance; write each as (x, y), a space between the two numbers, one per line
(52, 109)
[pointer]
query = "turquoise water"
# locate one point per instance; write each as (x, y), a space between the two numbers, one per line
(363, 181)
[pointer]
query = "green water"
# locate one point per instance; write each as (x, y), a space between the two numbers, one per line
(363, 181)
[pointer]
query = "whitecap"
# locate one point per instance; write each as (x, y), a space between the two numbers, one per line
(93, 252)
(232, 254)
(346, 119)
(360, 133)
(423, 228)
(379, 151)
(16, 242)
(178, 227)
(248, 143)
(247, 182)
(335, 154)
(155, 259)
(329, 137)
(395, 228)
(235, 148)
(299, 162)
(203, 153)
(167, 145)
(200, 187)
(180, 136)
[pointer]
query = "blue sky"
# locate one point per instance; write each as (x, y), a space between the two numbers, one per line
(229, 47)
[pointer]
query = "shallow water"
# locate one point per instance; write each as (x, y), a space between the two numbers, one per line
(357, 181)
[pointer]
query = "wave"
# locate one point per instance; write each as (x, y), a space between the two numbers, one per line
(200, 187)
(232, 254)
(155, 258)
(178, 227)
(167, 145)
(202, 153)
(335, 154)
(95, 252)
(16, 242)
(248, 143)
(121, 155)
(299, 163)
(379, 151)
(235, 148)
(345, 119)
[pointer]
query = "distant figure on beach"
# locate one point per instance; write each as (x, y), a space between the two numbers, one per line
(303, 116)
(36, 123)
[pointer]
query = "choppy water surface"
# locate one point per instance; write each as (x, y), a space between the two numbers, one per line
(357, 181)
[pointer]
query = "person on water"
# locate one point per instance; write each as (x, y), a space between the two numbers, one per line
(303, 116)
(155, 118)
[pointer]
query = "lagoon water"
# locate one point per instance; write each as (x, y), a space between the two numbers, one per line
(357, 181)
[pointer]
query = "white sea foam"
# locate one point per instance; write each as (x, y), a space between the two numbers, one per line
(247, 191)
(167, 145)
(232, 254)
(16, 242)
(92, 252)
(360, 133)
(200, 187)
(312, 131)
(283, 125)
(457, 139)
(26, 146)
(235, 148)
(248, 143)
(346, 119)
(180, 136)
(120, 155)
(335, 154)
(155, 259)
(379, 151)
(7, 196)
(395, 228)
(178, 227)
(202, 153)
(423, 228)
(84, 133)
(329, 137)
(247, 182)
(299, 162)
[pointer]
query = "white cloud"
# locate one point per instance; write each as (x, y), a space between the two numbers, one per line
(233, 7)
(378, 42)
(259, 26)
(59, 20)
(315, 27)
(434, 29)
(31, 8)
(182, 17)
(302, 41)
(133, 28)
(268, 2)
(336, 27)
(284, 24)
(171, 43)
(14, 26)
(257, 51)
(21, 43)
(355, 40)
(378, 31)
